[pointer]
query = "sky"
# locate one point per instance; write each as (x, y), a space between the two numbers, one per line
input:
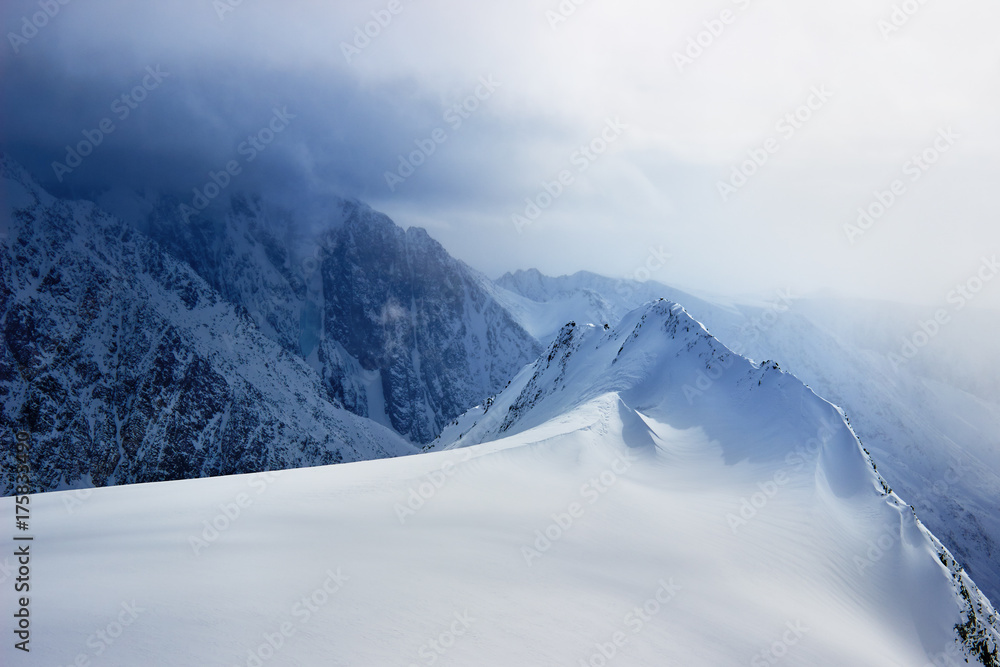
(850, 148)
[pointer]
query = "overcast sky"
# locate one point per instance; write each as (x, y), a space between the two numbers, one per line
(829, 102)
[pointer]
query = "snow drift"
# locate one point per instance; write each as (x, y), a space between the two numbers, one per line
(586, 515)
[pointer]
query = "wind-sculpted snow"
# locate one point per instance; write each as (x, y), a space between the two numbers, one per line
(933, 421)
(646, 360)
(124, 366)
(749, 415)
(598, 523)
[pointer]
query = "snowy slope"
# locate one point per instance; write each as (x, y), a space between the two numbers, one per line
(127, 367)
(933, 422)
(603, 523)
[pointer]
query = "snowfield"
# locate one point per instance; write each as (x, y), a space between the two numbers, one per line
(589, 516)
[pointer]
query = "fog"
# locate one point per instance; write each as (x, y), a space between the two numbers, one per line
(848, 149)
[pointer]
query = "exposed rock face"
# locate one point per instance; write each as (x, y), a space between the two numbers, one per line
(152, 348)
(399, 330)
(126, 366)
(399, 304)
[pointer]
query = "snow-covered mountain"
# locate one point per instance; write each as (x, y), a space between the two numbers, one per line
(125, 366)
(146, 347)
(932, 422)
(603, 520)
(400, 331)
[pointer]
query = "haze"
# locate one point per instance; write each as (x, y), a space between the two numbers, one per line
(667, 120)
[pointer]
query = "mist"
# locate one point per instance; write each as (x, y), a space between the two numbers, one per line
(839, 150)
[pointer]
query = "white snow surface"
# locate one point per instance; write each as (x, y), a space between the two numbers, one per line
(932, 423)
(600, 516)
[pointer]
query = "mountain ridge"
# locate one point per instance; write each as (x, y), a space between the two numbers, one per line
(597, 526)
(641, 372)
(931, 423)
(350, 291)
(125, 366)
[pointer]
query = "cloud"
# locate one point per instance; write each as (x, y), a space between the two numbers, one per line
(699, 89)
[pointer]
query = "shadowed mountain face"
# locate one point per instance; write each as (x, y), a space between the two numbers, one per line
(399, 304)
(399, 330)
(125, 366)
(144, 347)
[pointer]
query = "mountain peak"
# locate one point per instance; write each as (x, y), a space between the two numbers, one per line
(675, 394)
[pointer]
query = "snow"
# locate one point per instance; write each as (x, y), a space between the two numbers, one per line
(932, 424)
(127, 321)
(604, 518)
